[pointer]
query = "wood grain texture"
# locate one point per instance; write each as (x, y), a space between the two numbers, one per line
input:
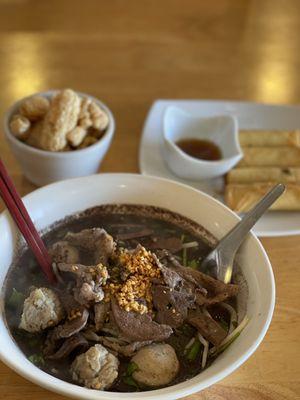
(129, 53)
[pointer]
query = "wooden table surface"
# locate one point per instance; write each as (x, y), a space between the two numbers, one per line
(129, 53)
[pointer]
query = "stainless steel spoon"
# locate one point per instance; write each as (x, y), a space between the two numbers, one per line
(219, 262)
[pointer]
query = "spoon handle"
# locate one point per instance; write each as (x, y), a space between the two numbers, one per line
(220, 260)
(237, 234)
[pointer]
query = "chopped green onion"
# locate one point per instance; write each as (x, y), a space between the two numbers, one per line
(130, 381)
(36, 359)
(194, 351)
(127, 378)
(193, 264)
(16, 299)
(131, 367)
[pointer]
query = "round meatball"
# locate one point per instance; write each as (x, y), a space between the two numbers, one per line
(41, 310)
(63, 252)
(95, 369)
(157, 365)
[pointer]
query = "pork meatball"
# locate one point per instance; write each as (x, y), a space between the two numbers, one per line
(95, 369)
(64, 252)
(157, 365)
(41, 310)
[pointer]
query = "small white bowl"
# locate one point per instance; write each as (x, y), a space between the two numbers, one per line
(54, 202)
(221, 130)
(42, 167)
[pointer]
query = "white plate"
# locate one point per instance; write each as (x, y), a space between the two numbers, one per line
(250, 116)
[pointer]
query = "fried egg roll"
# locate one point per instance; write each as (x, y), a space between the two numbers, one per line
(242, 197)
(270, 157)
(270, 138)
(268, 174)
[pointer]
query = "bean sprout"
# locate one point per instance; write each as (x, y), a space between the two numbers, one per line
(56, 273)
(190, 344)
(189, 245)
(205, 350)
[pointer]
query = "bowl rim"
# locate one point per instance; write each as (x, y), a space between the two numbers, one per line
(195, 161)
(172, 392)
(57, 154)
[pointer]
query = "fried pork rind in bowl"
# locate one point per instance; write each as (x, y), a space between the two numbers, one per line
(56, 135)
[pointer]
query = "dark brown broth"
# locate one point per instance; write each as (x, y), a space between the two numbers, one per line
(26, 274)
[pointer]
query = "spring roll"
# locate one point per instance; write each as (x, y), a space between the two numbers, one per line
(269, 138)
(241, 197)
(268, 174)
(270, 157)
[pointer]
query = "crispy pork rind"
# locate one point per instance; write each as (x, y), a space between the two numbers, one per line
(35, 107)
(19, 126)
(98, 116)
(34, 135)
(84, 119)
(92, 116)
(65, 123)
(76, 136)
(60, 119)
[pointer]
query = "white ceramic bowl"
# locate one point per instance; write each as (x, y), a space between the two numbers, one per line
(42, 167)
(222, 130)
(55, 201)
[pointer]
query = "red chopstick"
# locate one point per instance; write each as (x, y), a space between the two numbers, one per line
(21, 217)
